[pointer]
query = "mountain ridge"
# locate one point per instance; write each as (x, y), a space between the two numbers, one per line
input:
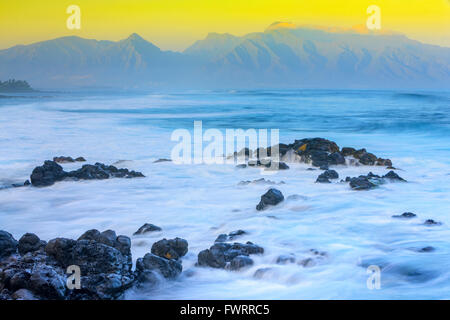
(282, 56)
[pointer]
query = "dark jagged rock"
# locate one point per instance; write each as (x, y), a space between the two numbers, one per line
(240, 262)
(51, 172)
(231, 236)
(431, 222)
(318, 152)
(391, 175)
(426, 249)
(259, 181)
(368, 159)
(150, 263)
(275, 165)
(162, 160)
(63, 159)
(285, 259)
(148, 227)
(30, 242)
(47, 174)
(361, 183)
(347, 151)
(384, 162)
(270, 198)
(371, 180)
(102, 171)
(221, 254)
(104, 259)
(170, 249)
(326, 176)
(405, 215)
(8, 245)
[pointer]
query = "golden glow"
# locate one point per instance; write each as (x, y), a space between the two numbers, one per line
(176, 24)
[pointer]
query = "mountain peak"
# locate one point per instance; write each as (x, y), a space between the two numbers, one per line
(135, 37)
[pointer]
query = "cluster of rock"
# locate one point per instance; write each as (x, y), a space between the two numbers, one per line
(230, 256)
(64, 159)
(371, 180)
(318, 152)
(33, 269)
(271, 198)
(165, 258)
(51, 172)
(410, 215)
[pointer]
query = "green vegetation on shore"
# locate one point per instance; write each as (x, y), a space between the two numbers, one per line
(13, 85)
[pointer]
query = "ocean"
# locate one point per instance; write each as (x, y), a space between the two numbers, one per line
(198, 202)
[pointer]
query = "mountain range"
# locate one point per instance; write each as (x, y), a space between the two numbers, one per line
(283, 56)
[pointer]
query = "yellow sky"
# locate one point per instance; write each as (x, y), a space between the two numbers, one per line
(176, 24)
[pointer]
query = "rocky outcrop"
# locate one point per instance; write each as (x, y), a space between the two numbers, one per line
(326, 176)
(63, 159)
(164, 259)
(229, 237)
(51, 172)
(271, 198)
(371, 180)
(405, 215)
(33, 269)
(229, 256)
(148, 227)
(318, 152)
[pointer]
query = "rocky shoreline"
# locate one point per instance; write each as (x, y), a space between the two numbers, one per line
(31, 268)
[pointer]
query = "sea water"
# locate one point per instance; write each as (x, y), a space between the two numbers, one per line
(198, 202)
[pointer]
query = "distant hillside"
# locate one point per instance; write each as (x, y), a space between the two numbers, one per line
(15, 86)
(281, 56)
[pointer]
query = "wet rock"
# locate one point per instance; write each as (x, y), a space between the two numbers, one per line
(30, 242)
(241, 166)
(47, 174)
(101, 171)
(270, 198)
(170, 249)
(231, 236)
(162, 160)
(307, 263)
(168, 268)
(257, 181)
(221, 254)
(23, 294)
(368, 159)
(391, 175)
(336, 158)
(51, 172)
(426, 249)
(275, 165)
(47, 282)
(361, 183)
(63, 159)
(384, 162)
(326, 176)
(148, 227)
(285, 259)
(405, 215)
(8, 245)
(347, 151)
(431, 222)
(240, 262)
(359, 153)
(104, 260)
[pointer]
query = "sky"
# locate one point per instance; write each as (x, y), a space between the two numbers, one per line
(176, 24)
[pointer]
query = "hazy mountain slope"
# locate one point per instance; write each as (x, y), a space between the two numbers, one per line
(279, 57)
